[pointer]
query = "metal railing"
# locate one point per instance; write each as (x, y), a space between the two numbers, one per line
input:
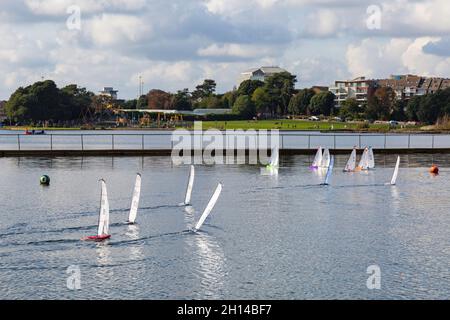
(163, 141)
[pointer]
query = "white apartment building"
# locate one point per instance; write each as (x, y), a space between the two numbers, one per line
(360, 89)
(109, 92)
(260, 74)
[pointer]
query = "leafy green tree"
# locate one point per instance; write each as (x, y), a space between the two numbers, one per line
(228, 99)
(206, 89)
(130, 104)
(381, 105)
(280, 88)
(74, 101)
(398, 112)
(244, 107)
(322, 103)
(248, 87)
(413, 107)
(300, 102)
(261, 100)
(142, 102)
(350, 109)
(43, 101)
(182, 100)
(211, 102)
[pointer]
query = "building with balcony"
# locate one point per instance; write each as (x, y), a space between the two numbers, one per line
(408, 86)
(360, 89)
(404, 86)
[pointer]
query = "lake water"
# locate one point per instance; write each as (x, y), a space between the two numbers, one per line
(280, 237)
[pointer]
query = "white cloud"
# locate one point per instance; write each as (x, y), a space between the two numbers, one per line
(174, 44)
(372, 58)
(234, 50)
(59, 7)
(117, 29)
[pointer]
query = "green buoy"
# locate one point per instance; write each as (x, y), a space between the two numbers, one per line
(45, 180)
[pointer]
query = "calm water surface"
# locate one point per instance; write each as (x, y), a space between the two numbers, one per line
(279, 237)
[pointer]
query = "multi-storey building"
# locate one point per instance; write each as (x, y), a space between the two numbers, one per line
(360, 89)
(260, 74)
(404, 86)
(109, 92)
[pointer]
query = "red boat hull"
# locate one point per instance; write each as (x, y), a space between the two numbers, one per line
(97, 238)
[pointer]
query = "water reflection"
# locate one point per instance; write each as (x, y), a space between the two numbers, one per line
(103, 272)
(210, 267)
(269, 171)
(133, 233)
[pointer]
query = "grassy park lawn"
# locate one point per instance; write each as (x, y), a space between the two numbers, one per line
(287, 125)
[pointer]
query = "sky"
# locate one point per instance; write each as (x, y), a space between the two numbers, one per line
(175, 44)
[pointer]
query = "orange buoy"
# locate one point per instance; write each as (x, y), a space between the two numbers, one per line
(434, 169)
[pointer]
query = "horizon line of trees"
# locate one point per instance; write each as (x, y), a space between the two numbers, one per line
(276, 97)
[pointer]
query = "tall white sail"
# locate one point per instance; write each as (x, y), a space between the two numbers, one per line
(209, 207)
(187, 200)
(326, 158)
(395, 176)
(371, 159)
(318, 159)
(351, 164)
(135, 202)
(329, 172)
(275, 158)
(364, 162)
(103, 221)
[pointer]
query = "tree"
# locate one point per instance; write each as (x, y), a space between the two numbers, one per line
(398, 112)
(280, 88)
(142, 102)
(74, 101)
(261, 100)
(182, 100)
(248, 87)
(211, 102)
(300, 102)
(228, 99)
(206, 89)
(43, 101)
(350, 109)
(413, 107)
(322, 103)
(381, 105)
(159, 100)
(129, 104)
(244, 107)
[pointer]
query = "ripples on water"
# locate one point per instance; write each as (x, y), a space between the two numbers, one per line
(270, 237)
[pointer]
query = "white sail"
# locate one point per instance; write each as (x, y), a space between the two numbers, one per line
(395, 176)
(275, 158)
(364, 162)
(135, 202)
(209, 207)
(318, 159)
(329, 172)
(371, 159)
(103, 221)
(187, 200)
(326, 159)
(351, 164)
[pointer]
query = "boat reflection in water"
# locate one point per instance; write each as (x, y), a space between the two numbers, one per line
(103, 271)
(133, 233)
(210, 265)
